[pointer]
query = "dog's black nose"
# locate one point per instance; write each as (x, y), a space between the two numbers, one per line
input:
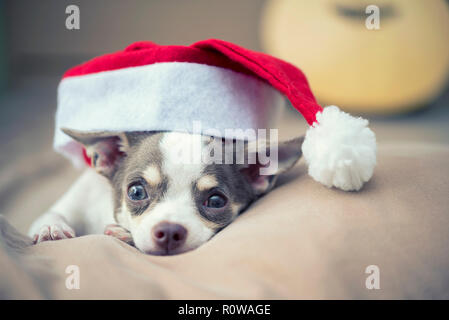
(169, 236)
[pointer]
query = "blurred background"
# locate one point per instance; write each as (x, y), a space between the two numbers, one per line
(390, 65)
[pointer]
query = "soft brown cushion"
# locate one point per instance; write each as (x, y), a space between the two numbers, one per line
(300, 241)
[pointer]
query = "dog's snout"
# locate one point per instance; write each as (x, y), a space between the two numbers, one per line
(169, 236)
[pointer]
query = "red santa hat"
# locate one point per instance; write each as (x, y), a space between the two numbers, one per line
(149, 87)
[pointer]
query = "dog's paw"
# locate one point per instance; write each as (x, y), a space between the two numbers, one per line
(119, 232)
(56, 231)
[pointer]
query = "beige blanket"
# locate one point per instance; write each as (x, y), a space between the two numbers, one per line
(300, 241)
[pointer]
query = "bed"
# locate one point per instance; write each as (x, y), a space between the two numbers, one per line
(301, 241)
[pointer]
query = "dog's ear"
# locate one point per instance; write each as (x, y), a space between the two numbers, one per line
(105, 149)
(265, 161)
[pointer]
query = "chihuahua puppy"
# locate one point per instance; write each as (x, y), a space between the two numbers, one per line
(140, 190)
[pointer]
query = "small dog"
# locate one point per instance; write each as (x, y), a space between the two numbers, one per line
(147, 195)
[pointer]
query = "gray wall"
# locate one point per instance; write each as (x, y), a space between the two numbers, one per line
(38, 41)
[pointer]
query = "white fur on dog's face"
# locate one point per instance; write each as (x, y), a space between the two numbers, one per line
(175, 208)
(170, 167)
(178, 205)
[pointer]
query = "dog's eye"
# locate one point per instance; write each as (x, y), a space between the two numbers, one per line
(136, 192)
(215, 201)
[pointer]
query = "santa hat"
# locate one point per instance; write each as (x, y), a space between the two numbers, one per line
(149, 87)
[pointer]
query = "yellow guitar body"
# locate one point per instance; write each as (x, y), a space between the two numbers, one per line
(400, 66)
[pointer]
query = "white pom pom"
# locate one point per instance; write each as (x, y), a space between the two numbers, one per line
(340, 150)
